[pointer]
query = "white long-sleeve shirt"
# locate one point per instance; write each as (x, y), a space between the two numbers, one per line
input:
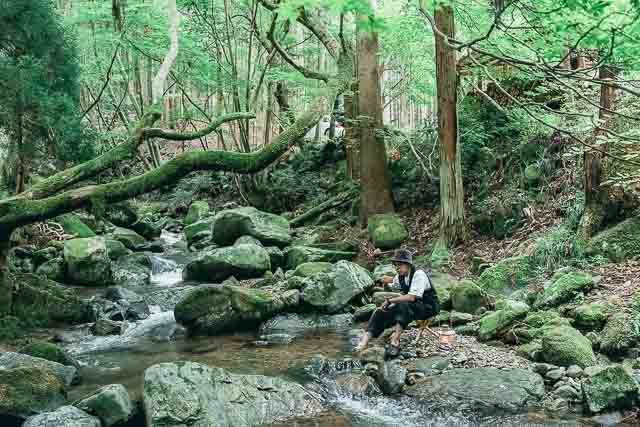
(419, 283)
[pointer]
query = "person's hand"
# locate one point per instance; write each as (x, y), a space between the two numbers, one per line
(385, 305)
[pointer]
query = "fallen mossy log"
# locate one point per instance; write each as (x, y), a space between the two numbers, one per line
(335, 202)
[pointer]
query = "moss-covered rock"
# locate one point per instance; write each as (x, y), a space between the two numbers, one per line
(116, 249)
(129, 238)
(54, 269)
(620, 242)
(247, 239)
(41, 300)
(296, 255)
(563, 288)
(494, 324)
(26, 391)
(276, 256)
(49, 351)
(621, 333)
(111, 403)
(566, 346)
(215, 309)
(191, 230)
(507, 275)
(610, 388)
(241, 261)
(197, 211)
(65, 416)
(534, 325)
(530, 350)
(271, 230)
(591, 316)
(88, 262)
(309, 269)
(73, 225)
(387, 231)
(331, 291)
(467, 297)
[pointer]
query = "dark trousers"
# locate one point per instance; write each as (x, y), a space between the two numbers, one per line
(402, 313)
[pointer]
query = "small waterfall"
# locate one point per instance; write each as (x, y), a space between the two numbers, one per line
(165, 271)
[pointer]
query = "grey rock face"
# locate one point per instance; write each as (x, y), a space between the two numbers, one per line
(195, 395)
(67, 374)
(66, 416)
(111, 404)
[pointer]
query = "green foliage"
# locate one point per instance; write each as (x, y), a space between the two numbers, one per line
(561, 247)
(40, 93)
(10, 328)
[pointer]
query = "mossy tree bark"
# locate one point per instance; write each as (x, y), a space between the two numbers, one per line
(375, 195)
(452, 227)
(596, 195)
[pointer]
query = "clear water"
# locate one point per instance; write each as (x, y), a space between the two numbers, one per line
(123, 359)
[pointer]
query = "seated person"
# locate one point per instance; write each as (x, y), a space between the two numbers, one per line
(418, 301)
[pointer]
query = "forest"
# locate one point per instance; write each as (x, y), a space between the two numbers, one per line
(319, 212)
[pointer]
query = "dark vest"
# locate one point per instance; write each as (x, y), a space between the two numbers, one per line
(430, 295)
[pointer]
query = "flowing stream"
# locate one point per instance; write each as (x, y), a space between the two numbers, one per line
(123, 359)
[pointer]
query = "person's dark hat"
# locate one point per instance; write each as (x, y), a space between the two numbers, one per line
(404, 256)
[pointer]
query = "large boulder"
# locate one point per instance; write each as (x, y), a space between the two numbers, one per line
(506, 276)
(591, 316)
(49, 351)
(610, 388)
(197, 231)
(486, 389)
(494, 324)
(620, 242)
(563, 288)
(297, 324)
(67, 374)
(297, 255)
(197, 211)
(309, 269)
(467, 297)
(73, 225)
(233, 223)
(66, 416)
(243, 261)
(46, 301)
(535, 325)
(215, 309)
(565, 346)
(29, 390)
(88, 261)
(331, 291)
(111, 404)
(132, 271)
(116, 249)
(391, 377)
(621, 333)
(186, 394)
(387, 231)
(129, 238)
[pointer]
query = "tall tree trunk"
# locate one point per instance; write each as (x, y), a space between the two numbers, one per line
(375, 196)
(21, 161)
(351, 137)
(595, 195)
(452, 227)
(6, 287)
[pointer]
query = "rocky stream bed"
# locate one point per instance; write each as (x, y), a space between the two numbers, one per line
(238, 321)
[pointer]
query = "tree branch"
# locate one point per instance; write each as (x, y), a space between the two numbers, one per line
(175, 136)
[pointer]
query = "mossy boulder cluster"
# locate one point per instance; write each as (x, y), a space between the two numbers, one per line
(197, 211)
(563, 288)
(467, 297)
(494, 324)
(243, 261)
